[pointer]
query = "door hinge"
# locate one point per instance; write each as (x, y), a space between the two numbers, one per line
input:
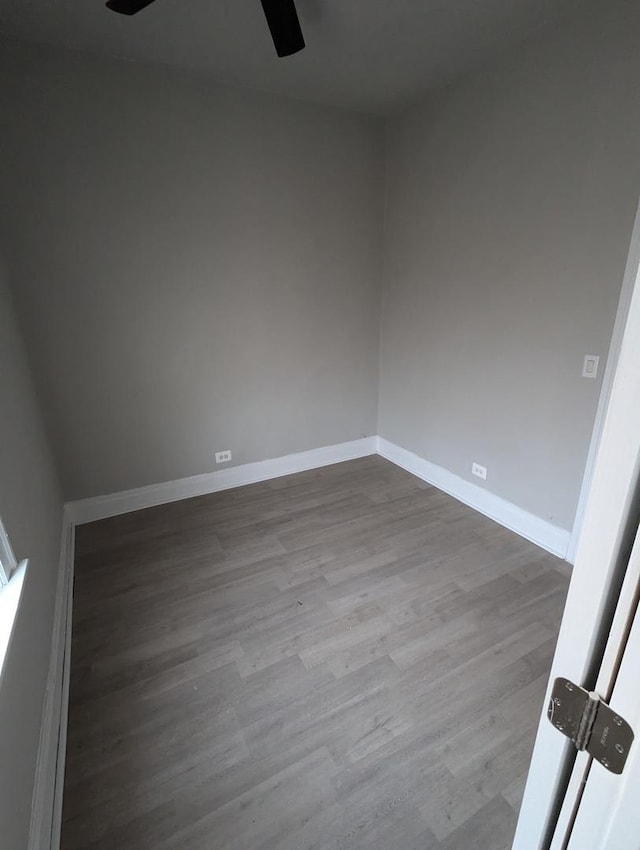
(589, 722)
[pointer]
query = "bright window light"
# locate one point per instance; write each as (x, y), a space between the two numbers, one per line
(8, 561)
(12, 576)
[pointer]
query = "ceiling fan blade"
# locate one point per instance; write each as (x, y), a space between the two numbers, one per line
(285, 29)
(127, 7)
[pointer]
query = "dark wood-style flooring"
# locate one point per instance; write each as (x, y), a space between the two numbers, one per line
(344, 658)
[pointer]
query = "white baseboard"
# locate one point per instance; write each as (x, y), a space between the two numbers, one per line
(550, 537)
(101, 507)
(46, 810)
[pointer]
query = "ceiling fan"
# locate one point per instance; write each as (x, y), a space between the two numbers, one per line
(281, 16)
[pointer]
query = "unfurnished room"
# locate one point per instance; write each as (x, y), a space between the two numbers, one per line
(320, 430)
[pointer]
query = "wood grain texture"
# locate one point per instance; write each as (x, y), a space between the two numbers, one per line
(343, 658)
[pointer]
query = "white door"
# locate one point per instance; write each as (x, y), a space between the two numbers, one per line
(580, 822)
(555, 777)
(607, 815)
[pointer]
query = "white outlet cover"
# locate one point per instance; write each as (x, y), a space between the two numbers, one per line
(480, 471)
(223, 457)
(590, 367)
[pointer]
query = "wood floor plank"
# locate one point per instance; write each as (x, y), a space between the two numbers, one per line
(341, 659)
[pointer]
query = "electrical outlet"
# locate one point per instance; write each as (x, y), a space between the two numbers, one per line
(480, 471)
(223, 457)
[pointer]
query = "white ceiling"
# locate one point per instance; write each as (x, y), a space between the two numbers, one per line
(371, 55)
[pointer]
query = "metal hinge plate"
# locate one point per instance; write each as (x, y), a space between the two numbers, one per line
(589, 722)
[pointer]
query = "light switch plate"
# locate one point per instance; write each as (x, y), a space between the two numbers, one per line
(590, 367)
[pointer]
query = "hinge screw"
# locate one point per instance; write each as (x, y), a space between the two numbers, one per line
(557, 701)
(569, 686)
(619, 748)
(617, 720)
(605, 762)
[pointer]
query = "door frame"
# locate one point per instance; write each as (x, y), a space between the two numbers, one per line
(602, 554)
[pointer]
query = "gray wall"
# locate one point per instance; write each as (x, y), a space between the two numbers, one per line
(31, 507)
(198, 268)
(510, 203)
